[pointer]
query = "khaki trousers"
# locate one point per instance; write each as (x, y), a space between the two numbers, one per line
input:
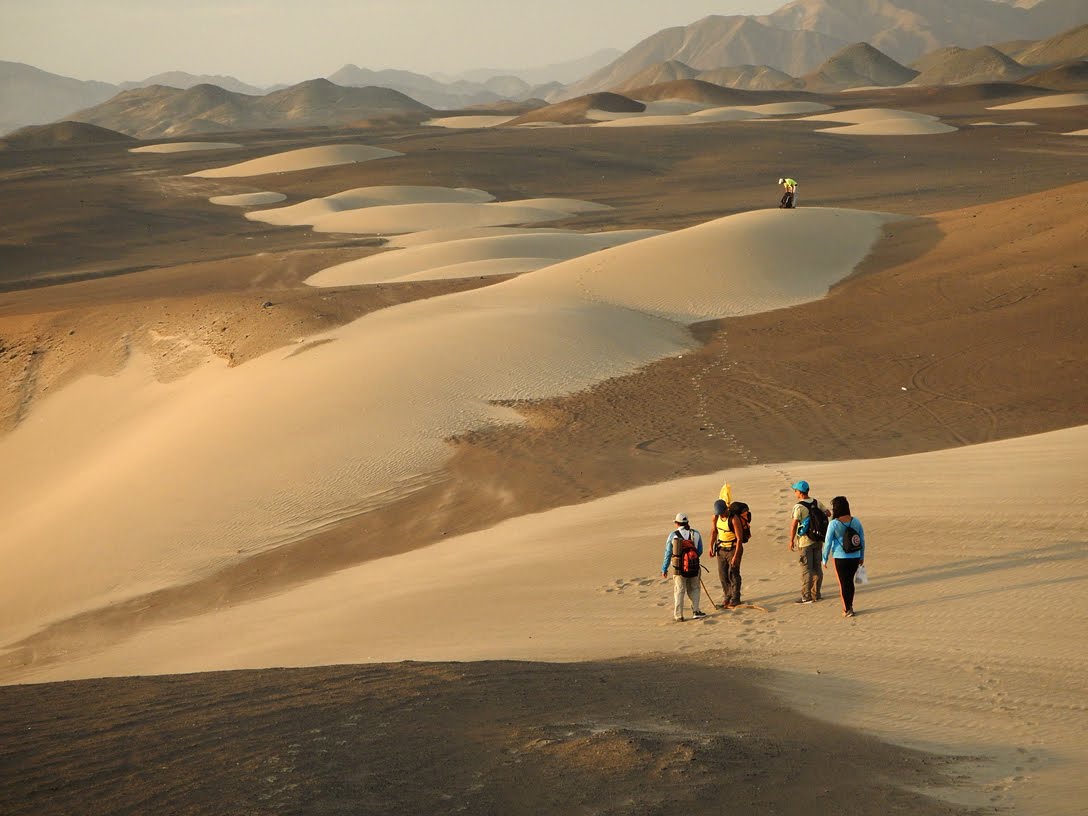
(812, 572)
(684, 586)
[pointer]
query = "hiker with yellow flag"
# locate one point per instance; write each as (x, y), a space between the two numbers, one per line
(730, 529)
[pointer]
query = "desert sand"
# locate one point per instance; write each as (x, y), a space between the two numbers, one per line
(183, 147)
(308, 213)
(468, 121)
(248, 199)
(223, 469)
(1069, 100)
(294, 160)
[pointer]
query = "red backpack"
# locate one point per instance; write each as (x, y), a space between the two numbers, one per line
(686, 562)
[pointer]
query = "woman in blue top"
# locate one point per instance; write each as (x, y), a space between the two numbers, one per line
(845, 542)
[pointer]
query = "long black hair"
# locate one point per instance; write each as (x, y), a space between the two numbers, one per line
(840, 507)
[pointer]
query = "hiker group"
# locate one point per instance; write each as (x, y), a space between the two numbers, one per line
(816, 533)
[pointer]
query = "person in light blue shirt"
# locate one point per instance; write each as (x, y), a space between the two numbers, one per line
(683, 584)
(845, 542)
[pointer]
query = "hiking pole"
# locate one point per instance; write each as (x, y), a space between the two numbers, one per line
(707, 591)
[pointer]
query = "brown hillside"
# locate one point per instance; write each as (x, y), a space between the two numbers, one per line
(61, 133)
(573, 111)
(1072, 76)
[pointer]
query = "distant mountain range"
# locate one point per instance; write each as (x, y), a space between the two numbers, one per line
(158, 111)
(823, 45)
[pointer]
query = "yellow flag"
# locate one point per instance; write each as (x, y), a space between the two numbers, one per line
(726, 494)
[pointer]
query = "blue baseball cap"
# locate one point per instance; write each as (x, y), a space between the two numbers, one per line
(801, 485)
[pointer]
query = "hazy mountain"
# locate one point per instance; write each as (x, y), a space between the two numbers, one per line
(906, 29)
(717, 42)
(431, 92)
(30, 96)
(61, 133)
(857, 66)
(184, 81)
(1065, 47)
(751, 78)
(962, 66)
(653, 74)
(1073, 76)
(160, 111)
(561, 72)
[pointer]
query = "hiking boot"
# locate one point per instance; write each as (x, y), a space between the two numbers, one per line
(678, 620)
(804, 601)
(698, 614)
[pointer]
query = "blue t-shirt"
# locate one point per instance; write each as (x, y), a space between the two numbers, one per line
(833, 542)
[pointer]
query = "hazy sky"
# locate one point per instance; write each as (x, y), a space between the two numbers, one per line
(269, 41)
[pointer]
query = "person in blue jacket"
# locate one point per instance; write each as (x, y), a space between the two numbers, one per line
(845, 542)
(682, 584)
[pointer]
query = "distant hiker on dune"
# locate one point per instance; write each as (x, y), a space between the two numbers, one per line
(846, 544)
(807, 530)
(731, 530)
(682, 550)
(789, 195)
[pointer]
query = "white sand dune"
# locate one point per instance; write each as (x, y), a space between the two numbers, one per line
(308, 213)
(469, 121)
(183, 147)
(862, 116)
(1077, 133)
(248, 199)
(496, 255)
(1069, 100)
(786, 108)
(1004, 124)
(307, 158)
(437, 236)
(970, 635)
(401, 218)
(893, 127)
(721, 115)
(185, 477)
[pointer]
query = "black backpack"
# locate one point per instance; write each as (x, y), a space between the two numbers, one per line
(815, 526)
(686, 561)
(738, 508)
(851, 540)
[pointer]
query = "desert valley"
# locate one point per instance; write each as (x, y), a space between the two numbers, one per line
(343, 425)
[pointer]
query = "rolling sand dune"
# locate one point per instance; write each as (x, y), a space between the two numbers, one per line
(1069, 100)
(183, 147)
(469, 121)
(1004, 124)
(248, 199)
(893, 127)
(327, 411)
(1077, 133)
(924, 637)
(415, 239)
(308, 213)
(400, 218)
(498, 255)
(305, 159)
(866, 115)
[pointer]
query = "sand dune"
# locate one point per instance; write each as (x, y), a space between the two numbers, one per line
(1069, 100)
(685, 112)
(1077, 133)
(1004, 124)
(185, 477)
(867, 115)
(248, 199)
(469, 121)
(498, 255)
(401, 218)
(925, 634)
(305, 159)
(415, 239)
(893, 127)
(183, 147)
(308, 213)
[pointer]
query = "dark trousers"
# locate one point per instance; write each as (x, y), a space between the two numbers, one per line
(846, 569)
(787, 201)
(729, 576)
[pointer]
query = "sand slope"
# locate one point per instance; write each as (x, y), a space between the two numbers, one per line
(248, 199)
(1069, 100)
(305, 159)
(183, 147)
(184, 477)
(934, 631)
(473, 256)
(308, 213)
